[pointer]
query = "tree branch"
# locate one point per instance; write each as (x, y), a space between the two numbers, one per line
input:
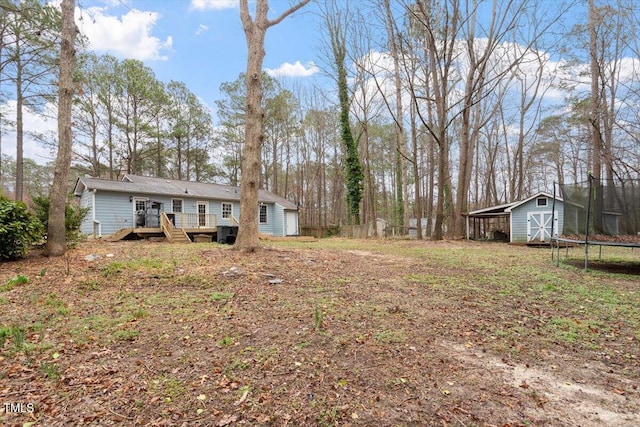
(286, 13)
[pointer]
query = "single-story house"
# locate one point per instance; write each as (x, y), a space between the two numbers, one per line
(526, 221)
(138, 204)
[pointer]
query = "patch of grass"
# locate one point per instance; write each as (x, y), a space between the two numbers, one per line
(225, 341)
(17, 334)
(125, 334)
(564, 329)
(390, 337)
(140, 313)
(318, 317)
(18, 280)
(59, 305)
(220, 296)
(301, 345)
(90, 285)
(169, 387)
(50, 370)
(112, 269)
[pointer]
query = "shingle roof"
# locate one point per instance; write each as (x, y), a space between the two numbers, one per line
(135, 184)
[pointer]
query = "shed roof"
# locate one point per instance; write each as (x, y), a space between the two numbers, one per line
(135, 184)
(497, 210)
(535, 196)
(505, 209)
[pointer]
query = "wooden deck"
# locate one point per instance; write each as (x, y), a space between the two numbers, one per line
(168, 230)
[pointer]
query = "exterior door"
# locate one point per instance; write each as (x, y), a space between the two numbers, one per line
(539, 226)
(139, 212)
(203, 210)
(291, 223)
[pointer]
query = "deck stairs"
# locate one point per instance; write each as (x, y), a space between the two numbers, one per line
(120, 234)
(173, 234)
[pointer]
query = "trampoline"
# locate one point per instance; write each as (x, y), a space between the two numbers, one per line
(598, 213)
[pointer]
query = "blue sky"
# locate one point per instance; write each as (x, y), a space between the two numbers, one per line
(198, 42)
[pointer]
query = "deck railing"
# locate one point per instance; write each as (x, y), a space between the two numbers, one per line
(195, 220)
(165, 223)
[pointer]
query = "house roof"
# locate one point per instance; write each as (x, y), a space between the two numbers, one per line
(135, 184)
(505, 209)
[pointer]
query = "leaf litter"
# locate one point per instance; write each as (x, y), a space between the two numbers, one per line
(404, 338)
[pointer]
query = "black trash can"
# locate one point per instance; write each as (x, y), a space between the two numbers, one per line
(227, 234)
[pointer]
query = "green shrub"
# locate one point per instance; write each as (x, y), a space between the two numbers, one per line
(73, 216)
(18, 229)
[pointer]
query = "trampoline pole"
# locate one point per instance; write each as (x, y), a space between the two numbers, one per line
(553, 212)
(586, 230)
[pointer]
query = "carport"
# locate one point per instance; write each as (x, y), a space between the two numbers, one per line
(490, 223)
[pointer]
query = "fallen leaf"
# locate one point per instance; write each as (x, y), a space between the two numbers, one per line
(243, 398)
(226, 420)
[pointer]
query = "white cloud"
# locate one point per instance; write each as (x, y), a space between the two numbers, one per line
(202, 29)
(44, 125)
(128, 36)
(213, 4)
(293, 70)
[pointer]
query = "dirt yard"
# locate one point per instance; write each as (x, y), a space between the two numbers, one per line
(336, 332)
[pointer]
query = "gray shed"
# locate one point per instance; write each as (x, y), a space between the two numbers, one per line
(526, 221)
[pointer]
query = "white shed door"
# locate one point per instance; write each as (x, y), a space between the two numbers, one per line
(539, 226)
(291, 223)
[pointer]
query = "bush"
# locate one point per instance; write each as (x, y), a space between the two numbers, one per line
(73, 216)
(18, 229)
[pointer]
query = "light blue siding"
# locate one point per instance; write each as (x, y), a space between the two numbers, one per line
(278, 220)
(113, 211)
(520, 216)
(86, 201)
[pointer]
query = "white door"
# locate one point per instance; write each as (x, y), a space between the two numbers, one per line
(139, 211)
(203, 210)
(291, 219)
(539, 226)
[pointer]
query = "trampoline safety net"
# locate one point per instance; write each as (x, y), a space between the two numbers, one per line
(602, 209)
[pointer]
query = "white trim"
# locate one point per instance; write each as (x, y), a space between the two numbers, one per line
(543, 226)
(295, 223)
(510, 228)
(522, 202)
(222, 211)
(135, 199)
(93, 216)
(206, 212)
(266, 213)
(181, 205)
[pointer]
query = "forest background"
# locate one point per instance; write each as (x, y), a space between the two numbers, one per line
(453, 104)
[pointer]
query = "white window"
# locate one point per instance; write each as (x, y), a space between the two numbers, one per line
(176, 205)
(227, 210)
(263, 214)
(541, 201)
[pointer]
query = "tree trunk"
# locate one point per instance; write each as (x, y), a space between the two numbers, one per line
(56, 236)
(19, 137)
(255, 31)
(596, 132)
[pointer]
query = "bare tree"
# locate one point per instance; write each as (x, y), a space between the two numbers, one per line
(56, 234)
(255, 30)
